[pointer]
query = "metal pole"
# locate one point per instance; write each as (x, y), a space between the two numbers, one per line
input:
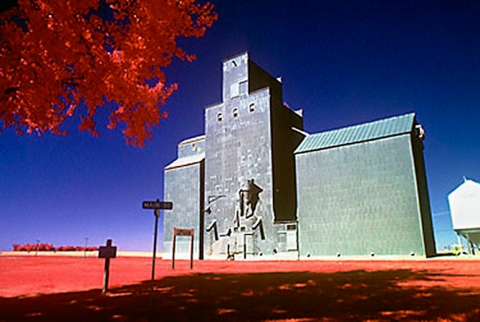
(459, 241)
(157, 214)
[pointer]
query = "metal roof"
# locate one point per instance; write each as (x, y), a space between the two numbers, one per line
(358, 133)
(192, 140)
(467, 188)
(186, 161)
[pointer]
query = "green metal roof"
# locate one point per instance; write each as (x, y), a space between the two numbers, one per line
(358, 133)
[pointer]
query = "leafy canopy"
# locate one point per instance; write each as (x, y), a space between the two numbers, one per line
(57, 55)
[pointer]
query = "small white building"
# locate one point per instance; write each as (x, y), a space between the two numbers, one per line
(464, 204)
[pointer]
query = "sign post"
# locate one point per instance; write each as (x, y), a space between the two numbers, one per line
(156, 212)
(107, 252)
(156, 206)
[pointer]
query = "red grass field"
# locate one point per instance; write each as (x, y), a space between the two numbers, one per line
(69, 289)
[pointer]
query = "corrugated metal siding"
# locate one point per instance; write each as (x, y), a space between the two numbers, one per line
(358, 133)
(182, 187)
(359, 198)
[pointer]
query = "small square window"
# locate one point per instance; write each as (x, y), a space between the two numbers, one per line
(251, 108)
(234, 90)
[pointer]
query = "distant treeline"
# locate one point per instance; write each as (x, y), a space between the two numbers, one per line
(50, 248)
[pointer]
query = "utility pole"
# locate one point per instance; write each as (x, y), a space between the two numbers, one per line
(86, 245)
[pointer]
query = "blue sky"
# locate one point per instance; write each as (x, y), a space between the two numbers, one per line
(342, 62)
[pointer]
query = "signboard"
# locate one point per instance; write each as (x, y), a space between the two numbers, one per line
(108, 251)
(182, 232)
(168, 205)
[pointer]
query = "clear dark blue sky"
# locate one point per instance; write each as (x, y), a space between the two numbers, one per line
(342, 62)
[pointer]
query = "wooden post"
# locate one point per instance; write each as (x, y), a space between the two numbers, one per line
(107, 252)
(106, 273)
(191, 251)
(173, 247)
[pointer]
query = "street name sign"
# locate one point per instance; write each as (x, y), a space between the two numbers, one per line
(168, 205)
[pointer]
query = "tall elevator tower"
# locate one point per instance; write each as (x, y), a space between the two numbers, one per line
(250, 193)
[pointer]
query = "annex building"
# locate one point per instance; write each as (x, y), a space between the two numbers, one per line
(257, 185)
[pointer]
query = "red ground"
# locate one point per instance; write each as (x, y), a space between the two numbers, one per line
(68, 289)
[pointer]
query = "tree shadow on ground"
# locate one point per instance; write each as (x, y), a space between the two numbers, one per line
(306, 296)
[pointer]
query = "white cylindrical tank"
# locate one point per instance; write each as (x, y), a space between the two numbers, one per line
(464, 204)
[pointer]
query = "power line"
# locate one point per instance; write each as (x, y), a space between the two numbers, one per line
(441, 214)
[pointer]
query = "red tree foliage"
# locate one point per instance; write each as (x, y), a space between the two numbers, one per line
(57, 55)
(50, 248)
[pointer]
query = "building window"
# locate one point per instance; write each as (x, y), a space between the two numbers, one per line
(219, 117)
(234, 90)
(235, 112)
(193, 146)
(251, 108)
